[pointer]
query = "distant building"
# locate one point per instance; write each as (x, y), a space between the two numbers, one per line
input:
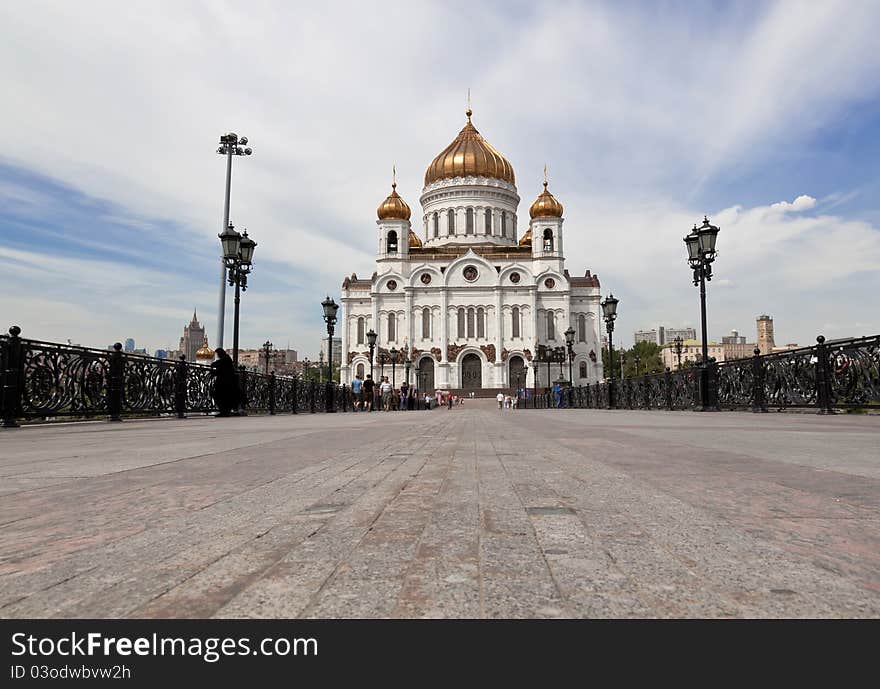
(337, 350)
(765, 334)
(161, 354)
(663, 336)
(733, 338)
(193, 338)
(129, 344)
(691, 350)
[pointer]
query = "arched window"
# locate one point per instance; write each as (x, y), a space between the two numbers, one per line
(503, 223)
(488, 226)
(582, 328)
(436, 225)
(461, 323)
(426, 323)
(360, 340)
(551, 325)
(450, 221)
(582, 369)
(548, 240)
(481, 322)
(470, 322)
(360, 371)
(392, 327)
(469, 221)
(392, 242)
(514, 313)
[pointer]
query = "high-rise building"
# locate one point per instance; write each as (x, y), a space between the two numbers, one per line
(193, 338)
(733, 338)
(663, 336)
(765, 333)
(337, 350)
(129, 344)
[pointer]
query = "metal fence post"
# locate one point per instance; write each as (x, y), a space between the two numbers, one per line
(272, 393)
(667, 380)
(823, 377)
(180, 387)
(294, 394)
(312, 395)
(114, 387)
(12, 374)
(759, 398)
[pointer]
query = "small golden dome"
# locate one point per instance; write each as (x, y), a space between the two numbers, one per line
(393, 206)
(414, 241)
(470, 155)
(526, 239)
(546, 205)
(205, 353)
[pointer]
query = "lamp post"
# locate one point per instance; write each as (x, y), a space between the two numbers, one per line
(609, 313)
(330, 308)
(267, 348)
(701, 255)
(238, 254)
(407, 364)
(559, 358)
(393, 353)
(637, 359)
(569, 343)
(371, 343)
(382, 359)
(678, 343)
(621, 358)
(229, 146)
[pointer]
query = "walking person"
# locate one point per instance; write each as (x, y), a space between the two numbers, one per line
(386, 389)
(357, 388)
(500, 398)
(369, 387)
(226, 393)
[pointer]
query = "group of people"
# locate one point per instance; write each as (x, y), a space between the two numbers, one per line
(368, 395)
(507, 401)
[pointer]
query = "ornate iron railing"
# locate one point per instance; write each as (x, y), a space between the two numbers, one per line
(41, 380)
(842, 374)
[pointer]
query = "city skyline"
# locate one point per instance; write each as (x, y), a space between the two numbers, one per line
(97, 237)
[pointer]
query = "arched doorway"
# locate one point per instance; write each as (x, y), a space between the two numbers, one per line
(517, 372)
(425, 373)
(471, 372)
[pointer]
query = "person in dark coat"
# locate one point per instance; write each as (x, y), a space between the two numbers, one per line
(225, 383)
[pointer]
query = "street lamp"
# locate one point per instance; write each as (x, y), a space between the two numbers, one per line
(230, 145)
(621, 358)
(559, 357)
(407, 363)
(678, 343)
(267, 348)
(609, 313)
(569, 343)
(238, 255)
(637, 365)
(701, 254)
(330, 308)
(382, 359)
(393, 362)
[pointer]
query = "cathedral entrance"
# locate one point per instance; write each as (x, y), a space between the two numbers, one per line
(425, 375)
(471, 372)
(517, 373)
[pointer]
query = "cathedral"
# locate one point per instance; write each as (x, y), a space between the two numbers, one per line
(466, 299)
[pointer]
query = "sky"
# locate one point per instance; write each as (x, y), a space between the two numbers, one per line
(764, 116)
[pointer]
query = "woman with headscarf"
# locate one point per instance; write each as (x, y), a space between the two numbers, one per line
(225, 383)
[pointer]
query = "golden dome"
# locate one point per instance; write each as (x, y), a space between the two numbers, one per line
(526, 239)
(414, 241)
(546, 205)
(393, 206)
(205, 353)
(470, 155)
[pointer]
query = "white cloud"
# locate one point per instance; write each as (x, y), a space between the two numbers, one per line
(801, 203)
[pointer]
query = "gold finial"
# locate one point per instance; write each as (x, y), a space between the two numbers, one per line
(394, 176)
(545, 175)
(469, 112)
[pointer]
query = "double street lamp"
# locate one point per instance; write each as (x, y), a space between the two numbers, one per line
(371, 343)
(609, 313)
(701, 254)
(330, 308)
(238, 255)
(569, 343)
(267, 349)
(678, 346)
(230, 145)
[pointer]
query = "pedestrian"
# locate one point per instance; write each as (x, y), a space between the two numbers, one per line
(357, 388)
(557, 391)
(449, 401)
(226, 393)
(385, 388)
(500, 398)
(404, 396)
(369, 386)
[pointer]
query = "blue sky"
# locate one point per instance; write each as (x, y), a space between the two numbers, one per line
(763, 115)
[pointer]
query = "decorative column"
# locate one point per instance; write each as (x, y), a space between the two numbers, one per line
(499, 338)
(408, 301)
(343, 362)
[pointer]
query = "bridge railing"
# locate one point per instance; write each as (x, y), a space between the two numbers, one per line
(840, 374)
(48, 380)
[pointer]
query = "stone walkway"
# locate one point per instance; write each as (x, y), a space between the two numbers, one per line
(471, 512)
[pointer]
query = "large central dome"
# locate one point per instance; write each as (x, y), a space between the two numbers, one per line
(470, 155)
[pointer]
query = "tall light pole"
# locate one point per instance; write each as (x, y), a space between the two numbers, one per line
(229, 146)
(330, 308)
(678, 343)
(701, 254)
(393, 353)
(238, 255)
(371, 343)
(569, 344)
(609, 313)
(267, 348)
